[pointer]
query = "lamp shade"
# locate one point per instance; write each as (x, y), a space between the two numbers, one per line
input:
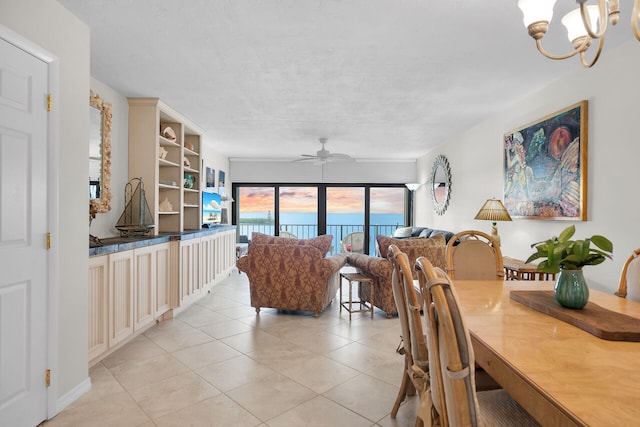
(412, 186)
(536, 10)
(574, 25)
(493, 210)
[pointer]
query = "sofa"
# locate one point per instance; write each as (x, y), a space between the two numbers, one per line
(408, 232)
(291, 274)
(379, 267)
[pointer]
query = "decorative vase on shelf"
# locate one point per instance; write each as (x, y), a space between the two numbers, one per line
(571, 289)
(188, 181)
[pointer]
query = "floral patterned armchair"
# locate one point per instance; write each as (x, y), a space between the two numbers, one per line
(380, 268)
(291, 274)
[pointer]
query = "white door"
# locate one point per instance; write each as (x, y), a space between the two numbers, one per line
(23, 228)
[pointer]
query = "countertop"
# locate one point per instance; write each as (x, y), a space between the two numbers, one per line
(118, 244)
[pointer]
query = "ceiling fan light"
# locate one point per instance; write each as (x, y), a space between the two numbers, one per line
(536, 11)
(574, 25)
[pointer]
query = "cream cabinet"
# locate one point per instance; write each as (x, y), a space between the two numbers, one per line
(164, 150)
(120, 297)
(131, 289)
(145, 276)
(190, 270)
(98, 305)
(164, 278)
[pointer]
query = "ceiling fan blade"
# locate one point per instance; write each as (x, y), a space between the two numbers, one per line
(325, 156)
(341, 157)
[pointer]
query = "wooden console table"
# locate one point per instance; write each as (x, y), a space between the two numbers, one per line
(515, 269)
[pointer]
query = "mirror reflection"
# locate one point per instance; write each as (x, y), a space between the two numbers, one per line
(95, 152)
(99, 155)
(440, 184)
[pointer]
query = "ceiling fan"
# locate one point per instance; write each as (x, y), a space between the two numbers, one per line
(323, 156)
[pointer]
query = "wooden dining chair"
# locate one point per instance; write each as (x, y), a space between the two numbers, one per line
(404, 348)
(474, 255)
(454, 399)
(622, 288)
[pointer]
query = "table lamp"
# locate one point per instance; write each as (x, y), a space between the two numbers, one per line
(493, 210)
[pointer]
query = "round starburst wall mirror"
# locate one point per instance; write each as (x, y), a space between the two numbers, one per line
(440, 184)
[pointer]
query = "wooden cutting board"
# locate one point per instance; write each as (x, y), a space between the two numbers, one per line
(598, 321)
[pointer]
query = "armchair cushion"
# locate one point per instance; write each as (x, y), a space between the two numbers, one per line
(322, 243)
(433, 248)
(380, 268)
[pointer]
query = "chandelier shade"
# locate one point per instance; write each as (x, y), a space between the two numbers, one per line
(585, 24)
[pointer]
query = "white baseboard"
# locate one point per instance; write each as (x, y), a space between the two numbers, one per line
(73, 395)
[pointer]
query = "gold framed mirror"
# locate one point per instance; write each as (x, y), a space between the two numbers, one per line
(440, 184)
(99, 155)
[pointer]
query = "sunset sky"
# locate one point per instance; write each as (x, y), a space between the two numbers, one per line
(304, 199)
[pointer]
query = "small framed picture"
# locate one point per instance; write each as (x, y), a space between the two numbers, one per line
(211, 178)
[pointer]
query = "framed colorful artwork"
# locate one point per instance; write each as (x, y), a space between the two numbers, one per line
(545, 167)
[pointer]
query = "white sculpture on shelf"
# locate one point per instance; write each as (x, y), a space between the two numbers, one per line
(165, 206)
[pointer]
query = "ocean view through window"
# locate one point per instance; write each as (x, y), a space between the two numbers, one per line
(308, 211)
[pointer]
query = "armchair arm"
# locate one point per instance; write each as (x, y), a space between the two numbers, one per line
(371, 265)
(333, 263)
(243, 263)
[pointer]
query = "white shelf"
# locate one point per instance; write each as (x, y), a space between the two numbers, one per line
(190, 152)
(147, 117)
(169, 187)
(167, 142)
(163, 162)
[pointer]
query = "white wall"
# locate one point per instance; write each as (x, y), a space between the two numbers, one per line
(476, 159)
(213, 159)
(49, 25)
(392, 172)
(104, 223)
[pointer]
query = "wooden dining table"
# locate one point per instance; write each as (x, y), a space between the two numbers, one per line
(561, 374)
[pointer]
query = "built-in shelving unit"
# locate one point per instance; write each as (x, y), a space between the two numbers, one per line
(165, 163)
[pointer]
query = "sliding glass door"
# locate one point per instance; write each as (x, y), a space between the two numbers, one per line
(256, 207)
(387, 212)
(309, 210)
(298, 211)
(345, 215)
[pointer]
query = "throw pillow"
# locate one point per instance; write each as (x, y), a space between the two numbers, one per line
(432, 248)
(322, 243)
(402, 232)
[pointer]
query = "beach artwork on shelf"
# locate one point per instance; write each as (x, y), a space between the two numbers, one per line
(211, 208)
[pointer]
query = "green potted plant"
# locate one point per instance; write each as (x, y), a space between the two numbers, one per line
(567, 257)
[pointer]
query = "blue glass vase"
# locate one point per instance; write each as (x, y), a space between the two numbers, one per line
(571, 289)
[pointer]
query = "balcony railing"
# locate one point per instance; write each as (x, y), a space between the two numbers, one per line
(305, 231)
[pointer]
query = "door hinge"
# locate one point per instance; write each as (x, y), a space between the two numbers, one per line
(49, 102)
(48, 240)
(47, 377)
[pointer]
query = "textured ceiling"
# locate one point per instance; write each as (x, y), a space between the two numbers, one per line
(381, 79)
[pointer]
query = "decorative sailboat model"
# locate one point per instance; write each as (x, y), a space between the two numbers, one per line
(136, 220)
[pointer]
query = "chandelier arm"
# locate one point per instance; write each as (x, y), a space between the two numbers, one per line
(635, 19)
(602, 10)
(580, 49)
(583, 58)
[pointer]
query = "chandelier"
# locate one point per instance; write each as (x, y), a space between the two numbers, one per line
(584, 24)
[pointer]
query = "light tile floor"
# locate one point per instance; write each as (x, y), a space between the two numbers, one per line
(219, 364)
